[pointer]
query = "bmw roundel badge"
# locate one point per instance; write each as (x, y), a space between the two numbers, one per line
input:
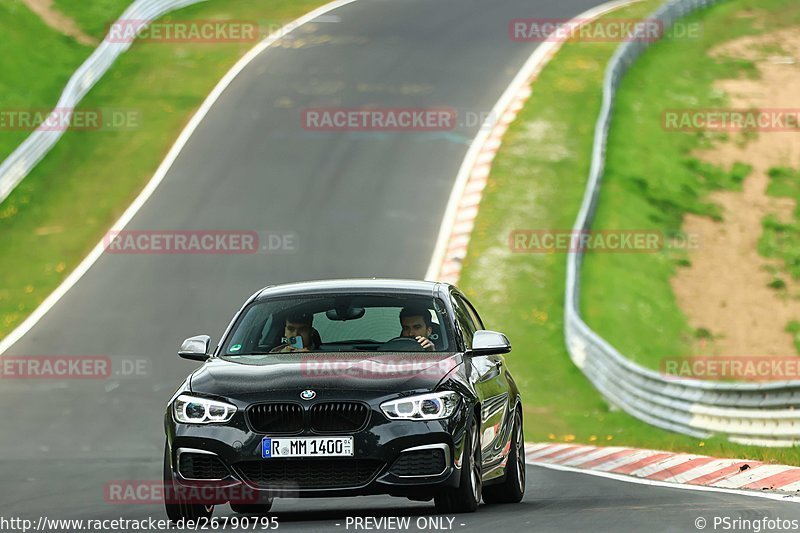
(308, 394)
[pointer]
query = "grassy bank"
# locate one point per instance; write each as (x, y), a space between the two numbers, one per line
(95, 16)
(781, 239)
(96, 174)
(36, 62)
(537, 182)
(652, 180)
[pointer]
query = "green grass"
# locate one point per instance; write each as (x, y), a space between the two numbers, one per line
(537, 182)
(62, 209)
(93, 17)
(652, 180)
(36, 63)
(780, 239)
(793, 327)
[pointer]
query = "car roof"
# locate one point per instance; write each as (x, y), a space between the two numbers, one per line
(373, 285)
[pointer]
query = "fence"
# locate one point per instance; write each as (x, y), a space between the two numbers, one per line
(33, 149)
(749, 413)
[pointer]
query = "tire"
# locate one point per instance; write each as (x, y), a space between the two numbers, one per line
(467, 496)
(252, 508)
(177, 510)
(512, 489)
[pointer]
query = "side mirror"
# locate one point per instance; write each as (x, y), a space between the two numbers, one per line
(486, 342)
(195, 348)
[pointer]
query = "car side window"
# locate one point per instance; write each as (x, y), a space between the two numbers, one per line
(464, 321)
(476, 319)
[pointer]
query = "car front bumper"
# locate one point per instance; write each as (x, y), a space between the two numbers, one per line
(377, 447)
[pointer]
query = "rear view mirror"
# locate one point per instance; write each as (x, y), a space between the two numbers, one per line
(486, 342)
(345, 313)
(195, 348)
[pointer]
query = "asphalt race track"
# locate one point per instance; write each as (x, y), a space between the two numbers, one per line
(356, 204)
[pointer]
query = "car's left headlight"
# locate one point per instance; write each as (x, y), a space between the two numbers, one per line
(194, 410)
(434, 406)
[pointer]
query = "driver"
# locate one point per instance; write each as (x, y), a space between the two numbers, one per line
(416, 323)
(299, 326)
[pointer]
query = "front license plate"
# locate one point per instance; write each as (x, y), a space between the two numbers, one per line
(307, 447)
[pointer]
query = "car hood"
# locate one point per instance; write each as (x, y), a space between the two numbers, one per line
(385, 372)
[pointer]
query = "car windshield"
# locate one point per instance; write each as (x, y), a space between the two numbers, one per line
(340, 323)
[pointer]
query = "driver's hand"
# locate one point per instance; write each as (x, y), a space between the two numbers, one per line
(426, 343)
(284, 348)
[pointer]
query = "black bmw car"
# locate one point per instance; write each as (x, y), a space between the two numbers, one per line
(345, 388)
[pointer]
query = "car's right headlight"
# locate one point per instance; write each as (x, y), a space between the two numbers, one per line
(195, 410)
(432, 406)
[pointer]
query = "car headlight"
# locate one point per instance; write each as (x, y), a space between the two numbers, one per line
(194, 410)
(432, 406)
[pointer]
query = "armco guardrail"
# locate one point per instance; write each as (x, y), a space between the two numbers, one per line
(752, 413)
(20, 163)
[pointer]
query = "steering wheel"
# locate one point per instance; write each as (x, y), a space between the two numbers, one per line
(401, 344)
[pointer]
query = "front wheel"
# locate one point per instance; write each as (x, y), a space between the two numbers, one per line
(176, 507)
(466, 497)
(512, 489)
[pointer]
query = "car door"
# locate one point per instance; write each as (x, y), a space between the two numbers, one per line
(490, 382)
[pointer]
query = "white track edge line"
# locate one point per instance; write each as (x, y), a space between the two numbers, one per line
(786, 498)
(87, 262)
(538, 59)
(450, 213)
